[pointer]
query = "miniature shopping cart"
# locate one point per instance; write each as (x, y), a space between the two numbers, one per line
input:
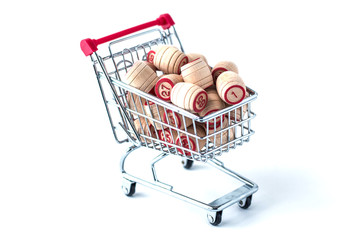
(111, 65)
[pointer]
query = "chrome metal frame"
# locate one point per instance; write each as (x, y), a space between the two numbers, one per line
(118, 97)
(247, 189)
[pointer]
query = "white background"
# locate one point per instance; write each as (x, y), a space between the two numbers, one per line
(59, 174)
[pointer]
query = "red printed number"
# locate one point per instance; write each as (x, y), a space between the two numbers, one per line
(185, 143)
(233, 93)
(201, 101)
(166, 92)
(168, 137)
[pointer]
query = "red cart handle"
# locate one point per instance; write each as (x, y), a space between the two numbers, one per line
(88, 46)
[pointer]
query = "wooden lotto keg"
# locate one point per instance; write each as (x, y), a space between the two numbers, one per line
(150, 56)
(165, 84)
(224, 136)
(142, 77)
(230, 87)
(176, 120)
(197, 72)
(194, 56)
(169, 59)
(189, 142)
(156, 112)
(238, 111)
(214, 104)
(189, 97)
(168, 135)
(143, 126)
(221, 67)
(151, 65)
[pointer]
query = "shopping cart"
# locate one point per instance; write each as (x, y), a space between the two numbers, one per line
(224, 130)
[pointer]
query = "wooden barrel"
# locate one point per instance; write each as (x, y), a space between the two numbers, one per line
(197, 72)
(150, 56)
(142, 77)
(145, 128)
(221, 67)
(214, 104)
(176, 120)
(189, 142)
(189, 97)
(155, 112)
(238, 111)
(194, 56)
(168, 135)
(230, 87)
(169, 59)
(223, 137)
(165, 84)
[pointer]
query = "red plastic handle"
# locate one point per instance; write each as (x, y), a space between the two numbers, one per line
(88, 46)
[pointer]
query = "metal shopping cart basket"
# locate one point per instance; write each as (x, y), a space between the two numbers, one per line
(130, 45)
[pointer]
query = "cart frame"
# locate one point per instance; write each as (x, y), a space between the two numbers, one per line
(221, 136)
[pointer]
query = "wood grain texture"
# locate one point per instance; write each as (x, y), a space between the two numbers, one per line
(214, 104)
(169, 59)
(197, 72)
(230, 87)
(189, 96)
(168, 135)
(223, 66)
(141, 76)
(189, 142)
(194, 56)
(239, 115)
(143, 127)
(165, 60)
(165, 84)
(156, 112)
(224, 136)
(159, 54)
(176, 120)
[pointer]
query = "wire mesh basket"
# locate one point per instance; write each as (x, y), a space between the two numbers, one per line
(157, 124)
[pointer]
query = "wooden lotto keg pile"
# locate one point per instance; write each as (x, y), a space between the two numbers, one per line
(188, 82)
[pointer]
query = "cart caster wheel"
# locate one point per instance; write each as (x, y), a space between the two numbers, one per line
(187, 163)
(245, 203)
(129, 190)
(214, 218)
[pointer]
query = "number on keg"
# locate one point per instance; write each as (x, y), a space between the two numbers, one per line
(168, 137)
(233, 93)
(150, 56)
(201, 101)
(166, 91)
(185, 143)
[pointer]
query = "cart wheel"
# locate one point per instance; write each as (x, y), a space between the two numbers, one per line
(244, 204)
(187, 163)
(215, 218)
(130, 189)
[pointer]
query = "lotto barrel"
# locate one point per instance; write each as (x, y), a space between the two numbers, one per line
(165, 84)
(189, 97)
(230, 87)
(197, 72)
(221, 67)
(190, 142)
